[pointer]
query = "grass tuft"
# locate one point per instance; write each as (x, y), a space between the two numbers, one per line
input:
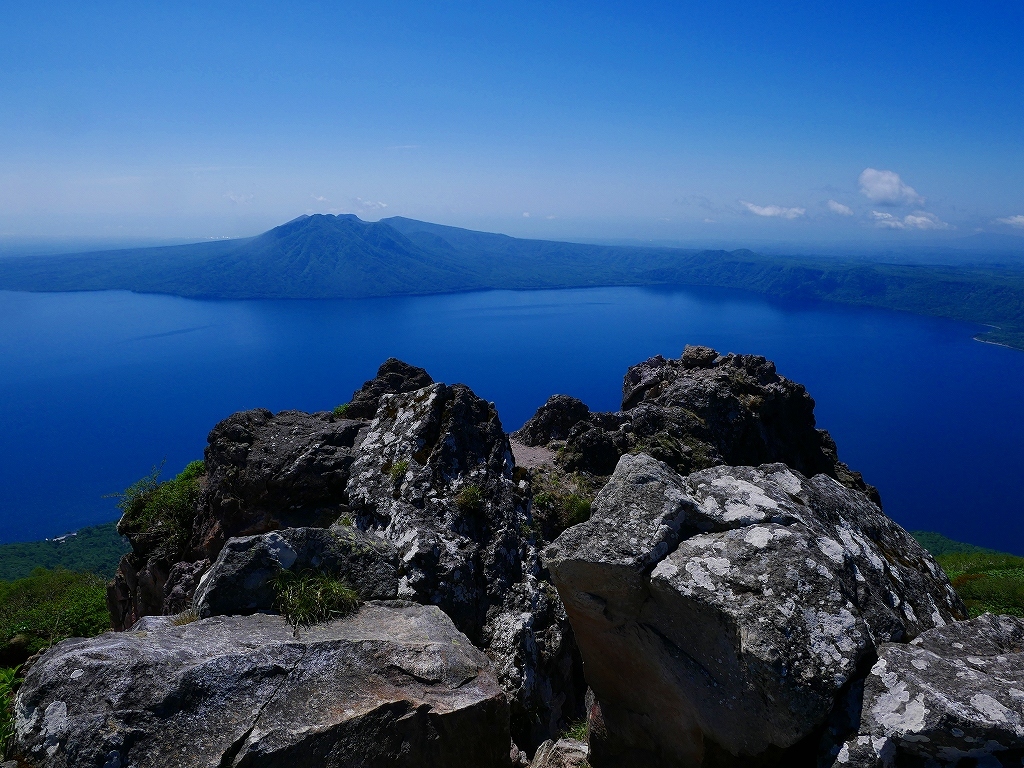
(9, 682)
(577, 731)
(398, 470)
(470, 499)
(309, 598)
(185, 617)
(341, 410)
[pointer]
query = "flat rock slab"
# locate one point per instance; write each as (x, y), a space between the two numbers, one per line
(532, 456)
(395, 684)
(952, 697)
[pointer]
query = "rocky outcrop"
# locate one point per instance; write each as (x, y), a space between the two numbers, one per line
(435, 476)
(722, 615)
(241, 580)
(393, 377)
(699, 411)
(564, 753)
(954, 696)
(392, 685)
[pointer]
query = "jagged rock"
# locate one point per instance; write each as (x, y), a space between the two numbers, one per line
(722, 615)
(266, 472)
(699, 411)
(564, 753)
(434, 475)
(954, 696)
(181, 585)
(393, 377)
(391, 685)
(136, 591)
(240, 581)
(553, 421)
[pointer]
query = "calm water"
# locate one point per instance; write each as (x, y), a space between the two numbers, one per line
(96, 388)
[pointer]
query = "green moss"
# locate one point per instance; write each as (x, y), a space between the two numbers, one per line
(311, 597)
(9, 682)
(157, 516)
(49, 606)
(398, 470)
(341, 410)
(470, 499)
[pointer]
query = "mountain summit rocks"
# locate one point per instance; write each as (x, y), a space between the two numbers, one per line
(735, 591)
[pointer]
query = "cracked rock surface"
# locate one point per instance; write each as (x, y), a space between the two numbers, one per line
(722, 615)
(394, 684)
(954, 696)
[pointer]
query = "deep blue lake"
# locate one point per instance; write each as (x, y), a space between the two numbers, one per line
(97, 388)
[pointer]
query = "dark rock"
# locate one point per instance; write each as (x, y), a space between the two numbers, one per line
(553, 420)
(392, 685)
(136, 590)
(564, 753)
(240, 580)
(393, 377)
(721, 616)
(434, 476)
(266, 472)
(181, 586)
(952, 697)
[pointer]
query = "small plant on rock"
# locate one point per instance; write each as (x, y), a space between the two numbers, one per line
(185, 617)
(159, 515)
(311, 597)
(340, 410)
(470, 499)
(398, 470)
(9, 682)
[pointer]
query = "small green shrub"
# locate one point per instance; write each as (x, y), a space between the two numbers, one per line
(576, 509)
(158, 516)
(987, 581)
(340, 410)
(9, 682)
(185, 617)
(577, 731)
(49, 606)
(470, 499)
(398, 470)
(311, 597)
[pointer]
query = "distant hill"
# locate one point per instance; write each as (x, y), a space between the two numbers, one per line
(97, 549)
(325, 256)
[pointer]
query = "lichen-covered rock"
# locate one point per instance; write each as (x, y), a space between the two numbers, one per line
(564, 753)
(699, 411)
(241, 579)
(393, 377)
(391, 685)
(722, 615)
(267, 471)
(434, 475)
(954, 696)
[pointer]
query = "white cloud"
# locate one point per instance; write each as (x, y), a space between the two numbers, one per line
(887, 188)
(1013, 221)
(319, 198)
(774, 210)
(916, 220)
(370, 205)
(842, 210)
(526, 214)
(237, 198)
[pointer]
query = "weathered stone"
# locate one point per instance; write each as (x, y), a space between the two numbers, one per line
(266, 472)
(434, 475)
(241, 579)
(553, 421)
(181, 585)
(392, 685)
(136, 591)
(954, 696)
(393, 377)
(722, 615)
(564, 753)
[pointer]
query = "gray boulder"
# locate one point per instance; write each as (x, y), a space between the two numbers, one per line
(722, 615)
(434, 475)
(564, 753)
(954, 696)
(391, 685)
(241, 579)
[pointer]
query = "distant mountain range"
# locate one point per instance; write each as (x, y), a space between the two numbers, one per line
(324, 256)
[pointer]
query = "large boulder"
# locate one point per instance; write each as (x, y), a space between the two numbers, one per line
(240, 581)
(391, 685)
(722, 615)
(695, 412)
(954, 696)
(435, 476)
(393, 376)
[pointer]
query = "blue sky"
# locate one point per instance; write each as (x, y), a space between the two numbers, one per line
(822, 122)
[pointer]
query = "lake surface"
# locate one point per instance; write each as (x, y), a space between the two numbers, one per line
(97, 388)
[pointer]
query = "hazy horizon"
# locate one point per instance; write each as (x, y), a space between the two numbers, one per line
(738, 123)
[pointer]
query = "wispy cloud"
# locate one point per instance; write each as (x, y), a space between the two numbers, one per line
(319, 198)
(238, 199)
(1013, 221)
(369, 206)
(917, 220)
(842, 210)
(405, 146)
(776, 211)
(526, 214)
(887, 188)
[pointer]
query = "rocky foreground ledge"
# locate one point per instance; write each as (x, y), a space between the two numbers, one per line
(697, 578)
